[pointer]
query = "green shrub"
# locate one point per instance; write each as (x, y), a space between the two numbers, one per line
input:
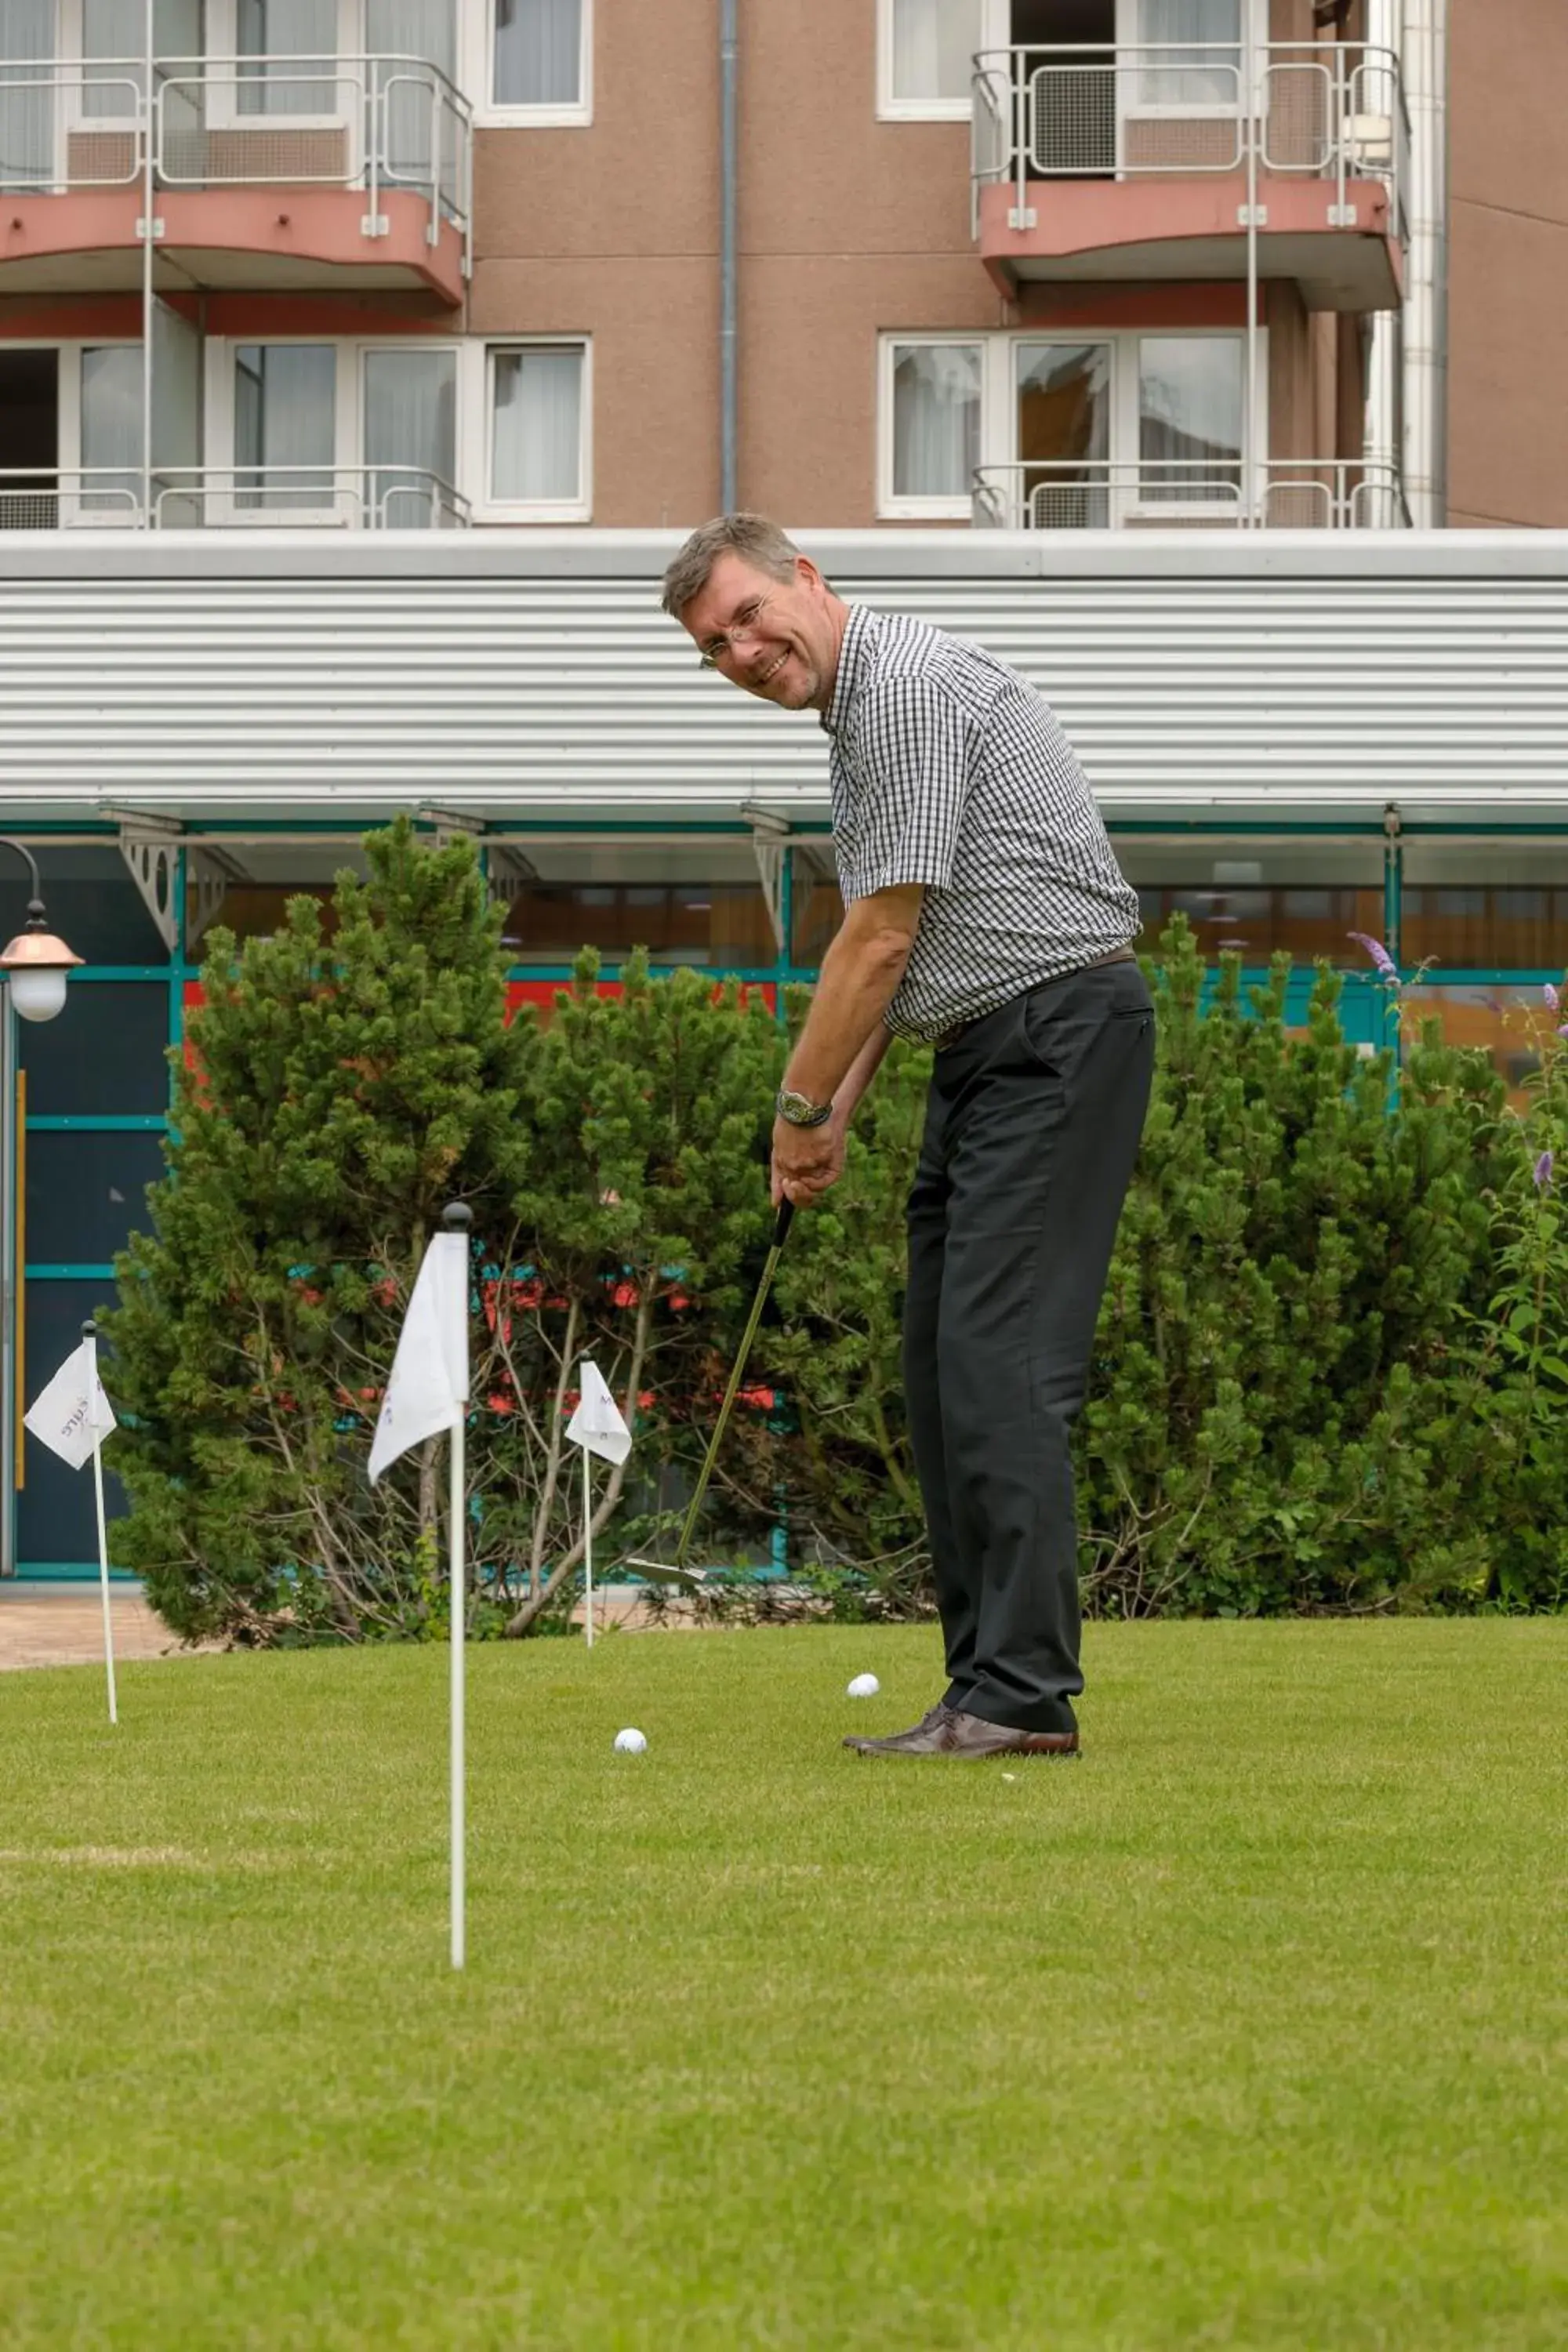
(1329, 1374)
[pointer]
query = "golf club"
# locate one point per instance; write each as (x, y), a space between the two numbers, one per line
(676, 1571)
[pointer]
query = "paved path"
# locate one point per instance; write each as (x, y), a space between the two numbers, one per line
(62, 1626)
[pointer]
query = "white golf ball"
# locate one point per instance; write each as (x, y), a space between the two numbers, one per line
(630, 1742)
(864, 1686)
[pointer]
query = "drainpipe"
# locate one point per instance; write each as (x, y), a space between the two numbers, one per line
(1425, 53)
(1380, 446)
(147, 227)
(729, 75)
(1254, 97)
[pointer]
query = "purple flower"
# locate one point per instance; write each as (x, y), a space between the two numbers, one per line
(1550, 995)
(1385, 965)
(1543, 1171)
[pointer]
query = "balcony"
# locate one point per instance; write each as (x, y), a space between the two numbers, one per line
(1160, 162)
(276, 173)
(346, 497)
(1189, 494)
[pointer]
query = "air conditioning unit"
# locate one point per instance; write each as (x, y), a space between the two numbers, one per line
(1370, 141)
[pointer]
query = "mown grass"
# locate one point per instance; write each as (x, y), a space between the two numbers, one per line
(1248, 2030)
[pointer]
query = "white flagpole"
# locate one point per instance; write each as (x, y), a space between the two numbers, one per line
(588, 1542)
(459, 1611)
(458, 1220)
(89, 1333)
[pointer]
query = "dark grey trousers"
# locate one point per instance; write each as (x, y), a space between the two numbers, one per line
(1032, 1126)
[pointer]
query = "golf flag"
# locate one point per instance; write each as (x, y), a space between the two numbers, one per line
(72, 1418)
(428, 1391)
(597, 1427)
(596, 1424)
(73, 1414)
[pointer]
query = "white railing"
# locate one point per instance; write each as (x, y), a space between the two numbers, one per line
(69, 127)
(1330, 111)
(1186, 494)
(352, 497)
(53, 498)
(375, 123)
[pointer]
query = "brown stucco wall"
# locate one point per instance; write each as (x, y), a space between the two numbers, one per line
(849, 228)
(1508, 332)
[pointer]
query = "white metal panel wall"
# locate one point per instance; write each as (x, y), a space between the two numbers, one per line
(221, 686)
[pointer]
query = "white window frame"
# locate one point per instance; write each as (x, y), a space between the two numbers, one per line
(68, 424)
(999, 410)
(1254, 59)
(348, 425)
(476, 76)
(927, 509)
(994, 31)
(71, 57)
(223, 108)
(481, 416)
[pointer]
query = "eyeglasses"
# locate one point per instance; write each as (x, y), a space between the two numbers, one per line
(744, 625)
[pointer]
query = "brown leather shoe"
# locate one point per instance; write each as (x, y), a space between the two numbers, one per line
(945, 1731)
(914, 1742)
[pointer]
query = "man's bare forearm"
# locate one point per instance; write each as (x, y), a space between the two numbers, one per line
(862, 1070)
(845, 1036)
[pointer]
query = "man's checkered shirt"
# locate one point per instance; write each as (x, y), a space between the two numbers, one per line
(947, 769)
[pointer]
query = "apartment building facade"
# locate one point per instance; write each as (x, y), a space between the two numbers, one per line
(361, 361)
(431, 263)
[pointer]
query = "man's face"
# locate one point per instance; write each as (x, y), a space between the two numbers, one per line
(778, 638)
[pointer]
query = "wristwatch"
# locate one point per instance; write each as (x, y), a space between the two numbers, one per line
(800, 1110)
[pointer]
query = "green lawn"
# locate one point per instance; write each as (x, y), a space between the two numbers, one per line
(1250, 2029)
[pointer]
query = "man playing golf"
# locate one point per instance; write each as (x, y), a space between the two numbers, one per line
(985, 915)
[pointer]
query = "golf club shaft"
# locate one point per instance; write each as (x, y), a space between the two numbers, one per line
(786, 1211)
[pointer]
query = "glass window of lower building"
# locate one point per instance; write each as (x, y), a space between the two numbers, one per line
(250, 882)
(1480, 905)
(1257, 897)
(537, 435)
(693, 902)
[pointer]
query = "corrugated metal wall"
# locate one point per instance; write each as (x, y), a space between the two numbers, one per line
(537, 681)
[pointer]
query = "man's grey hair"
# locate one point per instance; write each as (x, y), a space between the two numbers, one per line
(752, 537)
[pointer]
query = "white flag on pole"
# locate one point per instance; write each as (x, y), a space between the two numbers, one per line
(597, 1422)
(428, 1390)
(73, 1414)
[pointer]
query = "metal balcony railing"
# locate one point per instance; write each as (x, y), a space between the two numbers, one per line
(363, 122)
(1331, 112)
(352, 497)
(1184, 494)
(53, 498)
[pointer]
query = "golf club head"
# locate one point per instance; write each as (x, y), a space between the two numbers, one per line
(664, 1571)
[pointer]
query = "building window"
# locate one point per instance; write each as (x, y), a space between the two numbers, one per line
(1190, 403)
(284, 427)
(537, 430)
(686, 903)
(111, 429)
(1064, 393)
(1199, 67)
(927, 58)
(539, 59)
(410, 436)
(366, 434)
(1080, 433)
(936, 400)
(272, 36)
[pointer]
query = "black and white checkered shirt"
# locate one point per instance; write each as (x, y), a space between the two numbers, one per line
(947, 769)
